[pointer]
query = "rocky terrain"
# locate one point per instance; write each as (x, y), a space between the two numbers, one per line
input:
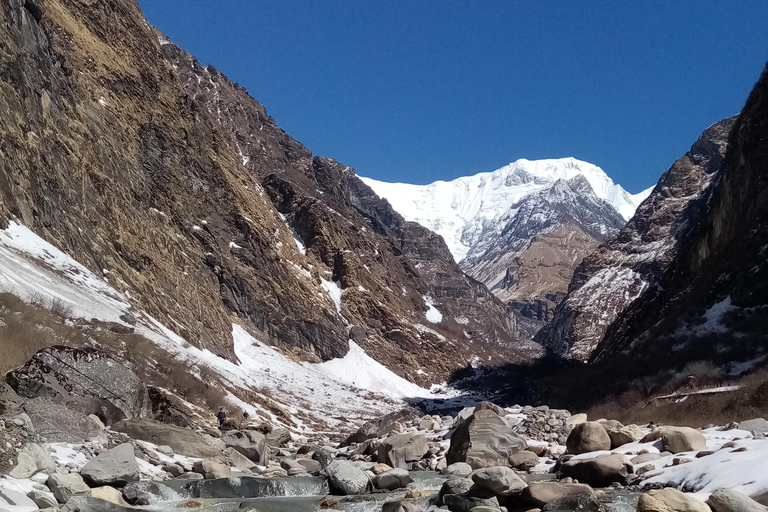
(81, 433)
(606, 283)
(521, 229)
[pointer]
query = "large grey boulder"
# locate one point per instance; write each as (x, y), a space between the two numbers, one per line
(400, 449)
(383, 425)
(600, 471)
(400, 506)
(523, 460)
(500, 480)
(755, 425)
(42, 498)
(728, 500)
(469, 502)
(453, 486)
(621, 434)
(589, 436)
(182, 440)
(116, 467)
(346, 478)
(212, 469)
(485, 439)
(85, 379)
(33, 458)
(59, 424)
(460, 469)
(109, 494)
(396, 478)
(64, 486)
(251, 443)
(670, 500)
(677, 439)
(539, 494)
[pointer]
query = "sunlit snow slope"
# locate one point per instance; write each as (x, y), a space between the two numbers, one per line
(460, 210)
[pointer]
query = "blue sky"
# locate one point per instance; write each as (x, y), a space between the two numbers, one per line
(419, 91)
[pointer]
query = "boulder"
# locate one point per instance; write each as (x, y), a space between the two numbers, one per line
(587, 437)
(467, 502)
(461, 469)
(524, 460)
(485, 439)
(236, 459)
(677, 439)
(117, 466)
(541, 493)
(621, 434)
(379, 468)
(500, 480)
(310, 466)
(64, 486)
(42, 498)
(382, 426)
(600, 471)
(212, 469)
(755, 425)
(181, 440)
(396, 478)
(727, 500)
(400, 506)
(251, 443)
(582, 503)
(400, 449)
(59, 424)
(33, 458)
(346, 478)
(277, 436)
(109, 494)
(453, 486)
(669, 500)
(490, 406)
(85, 379)
(576, 419)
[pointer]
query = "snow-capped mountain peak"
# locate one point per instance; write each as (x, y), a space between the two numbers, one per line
(462, 209)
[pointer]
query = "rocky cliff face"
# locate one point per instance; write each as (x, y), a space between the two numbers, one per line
(527, 257)
(172, 182)
(712, 300)
(608, 281)
(521, 229)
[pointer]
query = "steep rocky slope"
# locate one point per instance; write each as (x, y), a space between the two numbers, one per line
(175, 185)
(712, 301)
(521, 229)
(607, 282)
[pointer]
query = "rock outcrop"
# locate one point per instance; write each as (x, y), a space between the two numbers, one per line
(608, 281)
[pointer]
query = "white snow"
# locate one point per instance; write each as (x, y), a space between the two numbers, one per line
(360, 370)
(433, 315)
(322, 393)
(459, 210)
(333, 288)
(296, 237)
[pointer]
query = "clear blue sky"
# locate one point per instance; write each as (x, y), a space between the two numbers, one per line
(417, 91)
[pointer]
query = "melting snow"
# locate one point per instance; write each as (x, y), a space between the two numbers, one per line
(433, 315)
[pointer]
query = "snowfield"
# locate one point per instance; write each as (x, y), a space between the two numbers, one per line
(321, 396)
(460, 210)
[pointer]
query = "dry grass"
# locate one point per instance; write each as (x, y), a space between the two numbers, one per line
(750, 401)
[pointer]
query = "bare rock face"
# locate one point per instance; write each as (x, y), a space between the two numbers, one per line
(530, 262)
(84, 379)
(126, 153)
(611, 279)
